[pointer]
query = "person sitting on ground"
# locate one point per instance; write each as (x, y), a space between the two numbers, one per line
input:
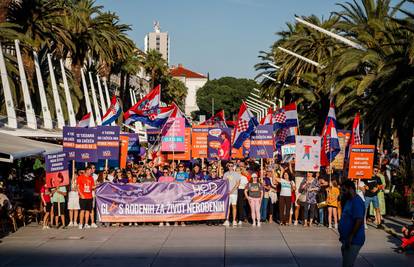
(408, 239)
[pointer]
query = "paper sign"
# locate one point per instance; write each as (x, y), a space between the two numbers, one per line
(361, 161)
(262, 142)
(107, 140)
(186, 155)
(173, 135)
(69, 142)
(343, 136)
(199, 141)
(308, 151)
(85, 145)
(57, 173)
(288, 152)
(219, 144)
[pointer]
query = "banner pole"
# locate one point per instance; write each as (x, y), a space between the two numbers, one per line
(261, 168)
(106, 164)
(73, 168)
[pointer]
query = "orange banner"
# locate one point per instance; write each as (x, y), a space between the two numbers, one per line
(123, 140)
(361, 161)
(186, 155)
(199, 141)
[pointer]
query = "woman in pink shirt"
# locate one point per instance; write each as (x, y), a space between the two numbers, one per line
(166, 177)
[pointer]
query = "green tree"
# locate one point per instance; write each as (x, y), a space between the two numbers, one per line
(227, 92)
(155, 66)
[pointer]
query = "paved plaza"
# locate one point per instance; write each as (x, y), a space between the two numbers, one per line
(270, 245)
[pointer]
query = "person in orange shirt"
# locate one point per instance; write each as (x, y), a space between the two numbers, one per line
(332, 202)
(86, 185)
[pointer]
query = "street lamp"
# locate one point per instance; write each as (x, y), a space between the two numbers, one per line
(310, 61)
(331, 34)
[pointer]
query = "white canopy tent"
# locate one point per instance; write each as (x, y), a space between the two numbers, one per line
(13, 147)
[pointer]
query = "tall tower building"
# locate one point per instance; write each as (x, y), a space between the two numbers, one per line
(159, 41)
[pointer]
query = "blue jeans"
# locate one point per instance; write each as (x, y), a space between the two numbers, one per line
(321, 215)
(374, 200)
(263, 209)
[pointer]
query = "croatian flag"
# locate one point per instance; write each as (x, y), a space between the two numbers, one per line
(149, 104)
(286, 136)
(113, 112)
(291, 115)
(177, 113)
(157, 118)
(330, 141)
(279, 120)
(268, 119)
(356, 138)
(85, 121)
(218, 120)
(246, 124)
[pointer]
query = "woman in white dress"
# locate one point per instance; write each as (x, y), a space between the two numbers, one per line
(73, 202)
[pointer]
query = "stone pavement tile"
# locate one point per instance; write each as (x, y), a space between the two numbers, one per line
(190, 256)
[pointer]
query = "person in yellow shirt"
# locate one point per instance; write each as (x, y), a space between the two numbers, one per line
(332, 202)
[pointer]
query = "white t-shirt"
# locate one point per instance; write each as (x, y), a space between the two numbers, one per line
(243, 182)
(95, 177)
(233, 178)
(360, 192)
(111, 178)
(285, 188)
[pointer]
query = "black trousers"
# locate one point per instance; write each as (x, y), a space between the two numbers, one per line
(284, 208)
(241, 215)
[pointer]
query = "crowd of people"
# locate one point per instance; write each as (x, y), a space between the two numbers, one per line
(271, 193)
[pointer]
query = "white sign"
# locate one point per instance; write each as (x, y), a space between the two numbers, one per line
(288, 152)
(308, 152)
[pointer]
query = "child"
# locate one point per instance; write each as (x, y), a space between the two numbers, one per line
(408, 239)
(47, 205)
(332, 202)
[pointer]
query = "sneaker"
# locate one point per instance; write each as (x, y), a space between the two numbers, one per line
(330, 226)
(259, 224)
(336, 226)
(226, 223)
(80, 226)
(240, 223)
(94, 225)
(70, 224)
(254, 224)
(176, 224)
(86, 226)
(161, 224)
(295, 223)
(45, 227)
(234, 223)
(130, 224)
(167, 224)
(183, 224)
(135, 224)
(75, 224)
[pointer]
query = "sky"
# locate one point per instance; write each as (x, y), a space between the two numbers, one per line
(219, 37)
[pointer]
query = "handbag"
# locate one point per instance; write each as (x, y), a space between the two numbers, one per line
(302, 198)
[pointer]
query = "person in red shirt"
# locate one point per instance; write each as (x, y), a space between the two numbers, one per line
(224, 150)
(47, 205)
(86, 185)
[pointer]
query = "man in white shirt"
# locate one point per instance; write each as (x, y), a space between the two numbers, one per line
(234, 182)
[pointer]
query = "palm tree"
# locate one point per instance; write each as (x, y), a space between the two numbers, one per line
(155, 66)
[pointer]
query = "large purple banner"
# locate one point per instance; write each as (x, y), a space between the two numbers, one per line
(162, 202)
(107, 140)
(85, 145)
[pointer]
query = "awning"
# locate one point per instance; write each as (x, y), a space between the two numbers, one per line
(13, 147)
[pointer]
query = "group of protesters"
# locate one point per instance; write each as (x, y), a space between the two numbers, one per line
(258, 193)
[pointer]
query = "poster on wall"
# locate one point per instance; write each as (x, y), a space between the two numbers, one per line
(308, 151)
(85, 145)
(219, 144)
(57, 173)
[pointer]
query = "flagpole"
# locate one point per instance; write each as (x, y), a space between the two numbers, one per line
(212, 106)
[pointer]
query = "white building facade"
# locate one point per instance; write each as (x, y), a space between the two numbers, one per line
(193, 81)
(159, 41)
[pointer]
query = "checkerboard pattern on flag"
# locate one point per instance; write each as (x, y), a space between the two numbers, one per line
(356, 138)
(246, 125)
(279, 120)
(218, 120)
(330, 141)
(148, 105)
